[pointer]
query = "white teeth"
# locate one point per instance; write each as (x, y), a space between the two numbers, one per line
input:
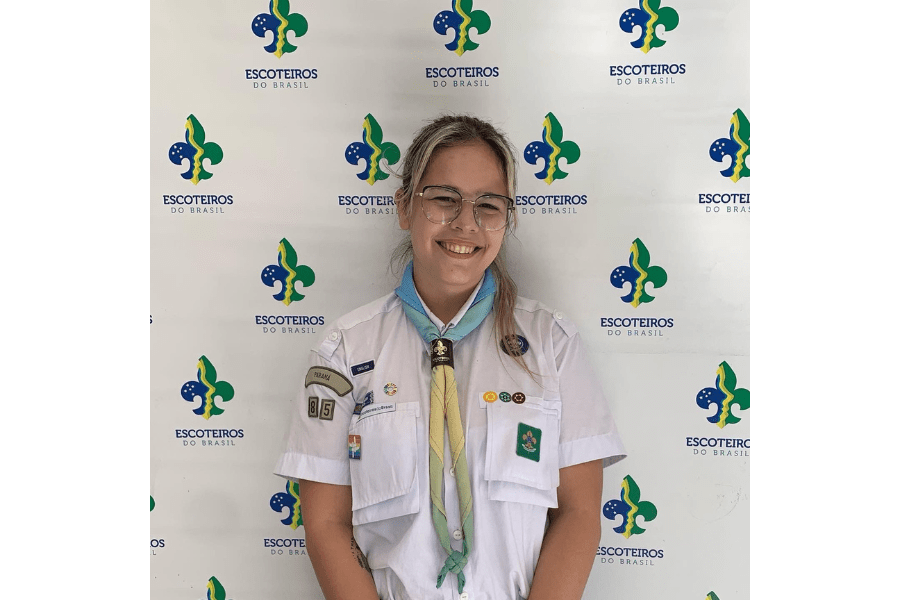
(457, 249)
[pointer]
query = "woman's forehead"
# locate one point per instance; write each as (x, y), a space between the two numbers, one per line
(469, 165)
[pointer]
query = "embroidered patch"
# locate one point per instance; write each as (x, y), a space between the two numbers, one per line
(505, 397)
(490, 397)
(369, 398)
(330, 379)
(514, 345)
(357, 408)
(362, 368)
(326, 412)
(528, 442)
(518, 398)
(390, 389)
(313, 410)
(354, 443)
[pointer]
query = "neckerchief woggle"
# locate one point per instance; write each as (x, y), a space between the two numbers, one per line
(445, 404)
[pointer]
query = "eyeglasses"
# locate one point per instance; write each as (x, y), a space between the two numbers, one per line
(442, 205)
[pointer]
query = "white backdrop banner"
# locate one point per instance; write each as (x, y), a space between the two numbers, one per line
(633, 221)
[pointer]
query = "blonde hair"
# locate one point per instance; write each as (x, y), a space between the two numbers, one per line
(444, 132)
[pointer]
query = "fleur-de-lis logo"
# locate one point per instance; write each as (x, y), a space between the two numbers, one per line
(462, 20)
(207, 388)
(289, 273)
(630, 507)
(726, 395)
(152, 503)
(371, 150)
(638, 273)
(736, 145)
(279, 21)
(195, 149)
(711, 596)
(291, 501)
(528, 440)
(214, 590)
(647, 18)
(439, 348)
(551, 148)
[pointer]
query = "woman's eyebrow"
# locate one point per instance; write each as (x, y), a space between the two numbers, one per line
(477, 194)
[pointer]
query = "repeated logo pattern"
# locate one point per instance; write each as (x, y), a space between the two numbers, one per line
(289, 499)
(214, 590)
(462, 19)
(647, 18)
(736, 145)
(289, 273)
(551, 148)
(195, 149)
(638, 273)
(630, 507)
(207, 388)
(711, 596)
(371, 150)
(725, 395)
(279, 21)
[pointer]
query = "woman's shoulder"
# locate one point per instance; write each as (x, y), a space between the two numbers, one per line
(539, 315)
(371, 314)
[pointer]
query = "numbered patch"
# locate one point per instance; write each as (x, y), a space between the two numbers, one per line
(313, 411)
(326, 413)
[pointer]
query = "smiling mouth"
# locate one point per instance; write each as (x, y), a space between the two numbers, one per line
(458, 248)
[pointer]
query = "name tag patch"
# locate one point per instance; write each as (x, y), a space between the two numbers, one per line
(528, 442)
(362, 368)
(376, 409)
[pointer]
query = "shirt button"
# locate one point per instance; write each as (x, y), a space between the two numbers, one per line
(464, 596)
(557, 314)
(458, 535)
(333, 336)
(452, 472)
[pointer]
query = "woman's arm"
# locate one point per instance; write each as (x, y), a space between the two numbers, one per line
(570, 544)
(340, 565)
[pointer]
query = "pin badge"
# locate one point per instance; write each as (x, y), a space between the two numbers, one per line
(518, 398)
(354, 444)
(514, 345)
(505, 397)
(490, 397)
(390, 389)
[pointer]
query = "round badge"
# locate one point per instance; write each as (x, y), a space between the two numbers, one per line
(390, 389)
(505, 397)
(490, 397)
(514, 345)
(518, 398)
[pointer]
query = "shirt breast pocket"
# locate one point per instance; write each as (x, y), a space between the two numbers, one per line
(384, 479)
(522, 462)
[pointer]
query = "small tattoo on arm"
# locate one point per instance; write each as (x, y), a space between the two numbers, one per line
(360, 557)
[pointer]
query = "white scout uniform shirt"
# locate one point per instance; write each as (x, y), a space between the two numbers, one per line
(379, 352)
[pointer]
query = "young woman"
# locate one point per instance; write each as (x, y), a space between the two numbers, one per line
(450, 437)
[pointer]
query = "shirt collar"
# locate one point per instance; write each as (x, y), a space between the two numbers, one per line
(462, 311)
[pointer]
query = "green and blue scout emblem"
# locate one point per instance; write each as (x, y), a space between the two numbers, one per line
(514, 345)
(354, 443)
(528, 442)
(505, 397)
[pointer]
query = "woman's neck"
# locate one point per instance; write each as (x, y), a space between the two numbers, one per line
(443, 303)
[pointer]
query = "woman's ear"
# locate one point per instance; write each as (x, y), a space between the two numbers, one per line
(402, 202)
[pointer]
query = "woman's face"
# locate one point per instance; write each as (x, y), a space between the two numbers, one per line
(450, 259)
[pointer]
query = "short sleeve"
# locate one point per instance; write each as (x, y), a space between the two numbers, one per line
(587, 429)
(316, 447)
